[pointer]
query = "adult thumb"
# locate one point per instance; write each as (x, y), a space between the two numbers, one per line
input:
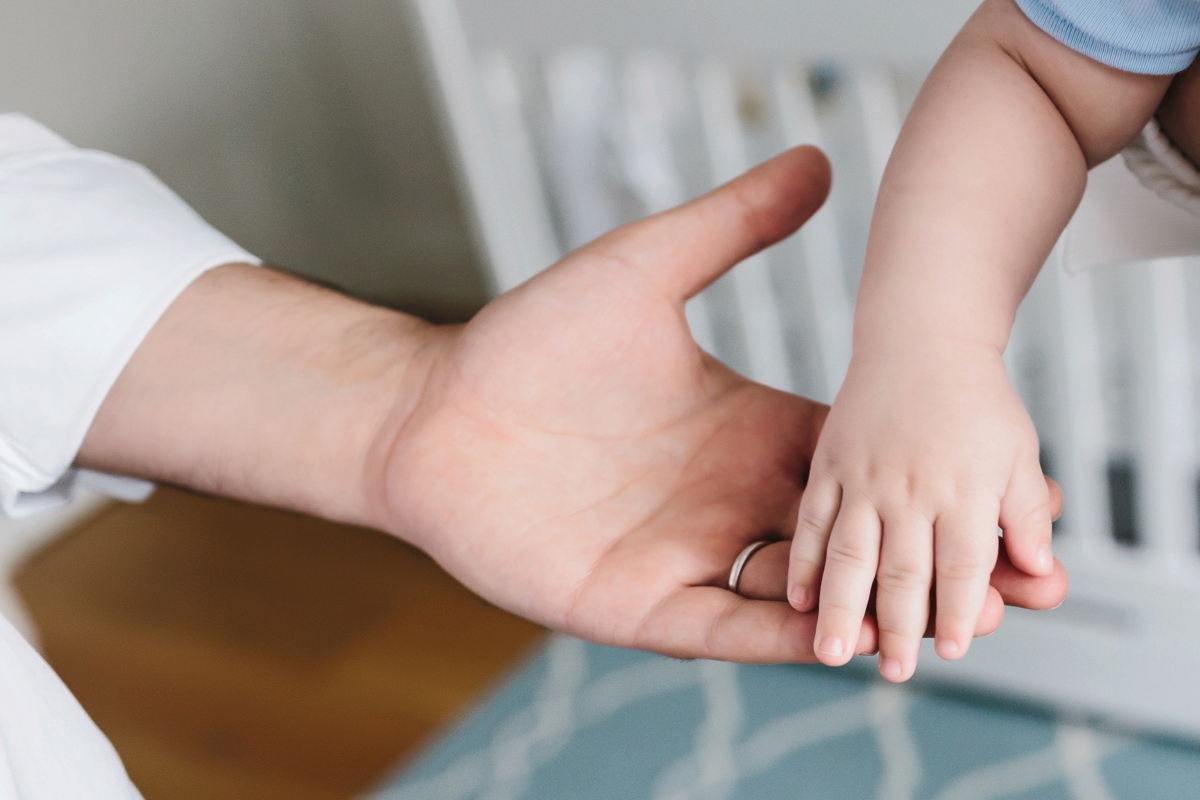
(688, 247)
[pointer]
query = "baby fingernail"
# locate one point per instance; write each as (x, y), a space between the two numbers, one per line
(798, 596)
(1045, 557)
(947, 648)
(891, 669)
(830, 646)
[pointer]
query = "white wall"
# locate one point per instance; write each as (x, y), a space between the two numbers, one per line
(301, 128)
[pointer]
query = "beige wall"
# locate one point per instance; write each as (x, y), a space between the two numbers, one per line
(301, 128)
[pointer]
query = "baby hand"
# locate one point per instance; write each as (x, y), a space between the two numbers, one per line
(926, 450)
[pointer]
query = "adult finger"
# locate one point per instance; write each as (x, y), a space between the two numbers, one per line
(1018, 588)
(850, 564)
(992, 614)
(1056, 498)
(707, 622)
(687, 248)
(964, 549)
(814, 523)
(1025, 517)
(764, 577)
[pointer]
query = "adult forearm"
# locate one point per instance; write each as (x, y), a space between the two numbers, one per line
(988, 169)
(261, 386)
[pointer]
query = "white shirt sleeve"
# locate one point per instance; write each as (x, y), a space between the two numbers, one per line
(93, 249)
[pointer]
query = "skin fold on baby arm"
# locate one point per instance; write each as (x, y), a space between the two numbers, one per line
(927, 448)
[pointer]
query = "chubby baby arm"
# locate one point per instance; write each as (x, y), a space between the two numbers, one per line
(927, 449)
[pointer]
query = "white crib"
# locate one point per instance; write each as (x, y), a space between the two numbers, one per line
(569, 119)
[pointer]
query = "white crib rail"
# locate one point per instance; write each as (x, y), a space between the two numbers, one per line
(655, 96)
(510, 250)
(758, 309)
(537, 247)
(824, 267)
(1169, 444)
(1085, 448)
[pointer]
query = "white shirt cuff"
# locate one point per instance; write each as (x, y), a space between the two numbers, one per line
(93, 249)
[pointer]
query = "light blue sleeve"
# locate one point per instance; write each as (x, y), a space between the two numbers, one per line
(1153, 37)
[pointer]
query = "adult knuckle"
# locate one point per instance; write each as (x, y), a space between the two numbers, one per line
(715, 631)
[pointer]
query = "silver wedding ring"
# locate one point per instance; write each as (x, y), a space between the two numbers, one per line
(739, 563)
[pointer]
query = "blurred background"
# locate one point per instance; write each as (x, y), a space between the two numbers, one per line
(303, 129)
(229, 651)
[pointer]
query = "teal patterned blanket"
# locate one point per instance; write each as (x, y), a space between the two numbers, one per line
(581, 721)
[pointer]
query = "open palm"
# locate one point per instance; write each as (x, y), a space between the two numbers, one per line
(599, 471)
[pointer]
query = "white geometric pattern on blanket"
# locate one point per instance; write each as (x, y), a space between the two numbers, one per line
(723, 754)
(893, 737)
(1074, 757)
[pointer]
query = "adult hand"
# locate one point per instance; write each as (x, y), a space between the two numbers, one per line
(570, 454)
(576, 458)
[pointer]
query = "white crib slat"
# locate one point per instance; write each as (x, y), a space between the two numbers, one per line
(1168, 436)
(526, 201)
(824, 267)
(580, 88)
(762, 325)
(653, 89)
(472, 135)
(1036, 349)
(653, 92)
(875, 91)
(1085, 484)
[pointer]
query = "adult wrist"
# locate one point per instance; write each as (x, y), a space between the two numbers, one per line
(259, 386)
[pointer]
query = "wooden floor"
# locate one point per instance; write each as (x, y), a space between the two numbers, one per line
(236, 652)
